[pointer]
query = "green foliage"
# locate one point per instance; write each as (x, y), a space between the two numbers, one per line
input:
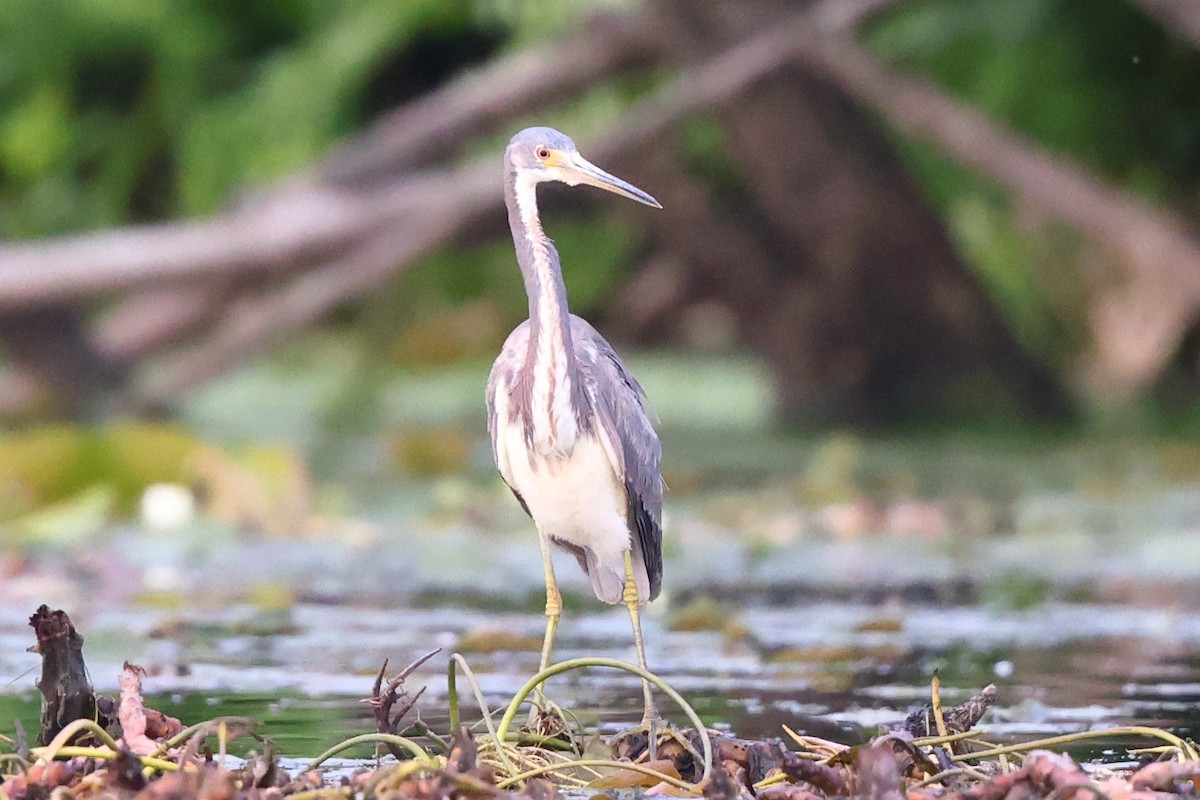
(1093, 78)
(54, 463)
(533, 20)
(59, 483)
(119, 110)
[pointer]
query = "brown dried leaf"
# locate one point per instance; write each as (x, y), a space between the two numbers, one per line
(1165, 776)
(628, 778)
(877, 773)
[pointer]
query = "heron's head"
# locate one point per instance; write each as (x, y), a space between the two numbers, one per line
(544, 154)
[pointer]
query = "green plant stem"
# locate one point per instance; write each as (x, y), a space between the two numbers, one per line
(323, 792)
(206, 727)
(457, 659)
(71, 751)
(419, 728)
(930, 741)
(577, 663)
(594, 762)
(387, 738)
(69, 732)
(1186, 751)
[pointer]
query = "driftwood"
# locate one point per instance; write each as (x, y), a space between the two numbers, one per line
(196, 298)
(67, 693)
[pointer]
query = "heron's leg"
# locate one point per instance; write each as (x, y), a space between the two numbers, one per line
(651, 721)
(553, 612)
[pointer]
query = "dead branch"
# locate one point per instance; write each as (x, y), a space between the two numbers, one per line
(67, 693)
(318, 240)
(153, 320)
(287, 224)
(428, 210)
(1135, 325)
(436, 125)
(315, 213)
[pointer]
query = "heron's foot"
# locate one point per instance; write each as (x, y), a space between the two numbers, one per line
(655, 739)
(642, 742)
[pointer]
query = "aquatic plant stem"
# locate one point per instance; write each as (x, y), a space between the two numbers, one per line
(68, 732)
(1185, 750)
(456, 659)
(935, 702)
(938, 777)
(595, 762)
(71, 751)
(930, 741)
(326, 791)
(387, 738)
(14, 758)
(206, 727)
(577, 663)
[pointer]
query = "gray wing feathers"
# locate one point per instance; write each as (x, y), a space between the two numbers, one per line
(617, 398)
(501, 379)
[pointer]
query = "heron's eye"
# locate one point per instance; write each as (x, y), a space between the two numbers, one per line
(543, 153)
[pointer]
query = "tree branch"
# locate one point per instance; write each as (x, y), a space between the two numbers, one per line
(444, 204)
(1136, 325)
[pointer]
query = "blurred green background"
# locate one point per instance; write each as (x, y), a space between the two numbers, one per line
(119, 113)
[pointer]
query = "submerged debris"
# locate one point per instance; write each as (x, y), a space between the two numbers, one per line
(156, 758)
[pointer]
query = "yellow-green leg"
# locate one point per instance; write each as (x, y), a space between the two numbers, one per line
(553, 612)
(651, 721)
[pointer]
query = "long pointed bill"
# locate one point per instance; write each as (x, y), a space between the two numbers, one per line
(577, 169)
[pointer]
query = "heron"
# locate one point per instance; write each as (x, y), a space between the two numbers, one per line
(569, 429)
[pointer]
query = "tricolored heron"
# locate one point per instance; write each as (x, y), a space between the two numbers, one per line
(569, 433)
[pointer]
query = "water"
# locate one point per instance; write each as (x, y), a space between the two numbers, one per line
(811, 582)
(834, 668)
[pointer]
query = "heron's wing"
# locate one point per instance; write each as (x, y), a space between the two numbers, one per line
(617, 399)
(500, 395)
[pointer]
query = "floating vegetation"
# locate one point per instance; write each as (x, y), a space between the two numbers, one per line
(96, 747)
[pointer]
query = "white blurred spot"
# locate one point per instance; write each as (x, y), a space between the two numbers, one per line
(162, 578)
(167, 505)
(1003, 669)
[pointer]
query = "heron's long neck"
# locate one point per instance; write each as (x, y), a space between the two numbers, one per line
(551, 353)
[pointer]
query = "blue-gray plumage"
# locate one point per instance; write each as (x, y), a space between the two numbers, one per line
(569, 431)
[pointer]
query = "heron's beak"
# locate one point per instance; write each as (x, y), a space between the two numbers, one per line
(577, 169)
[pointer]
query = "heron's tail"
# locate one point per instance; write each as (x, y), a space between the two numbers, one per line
(608, 580)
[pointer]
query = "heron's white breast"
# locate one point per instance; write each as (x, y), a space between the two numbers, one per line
(574, 496)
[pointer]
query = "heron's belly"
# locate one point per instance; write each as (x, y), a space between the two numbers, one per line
(576, 498)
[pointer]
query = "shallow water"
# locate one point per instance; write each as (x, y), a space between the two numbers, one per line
(839, 571)
(833, 668)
